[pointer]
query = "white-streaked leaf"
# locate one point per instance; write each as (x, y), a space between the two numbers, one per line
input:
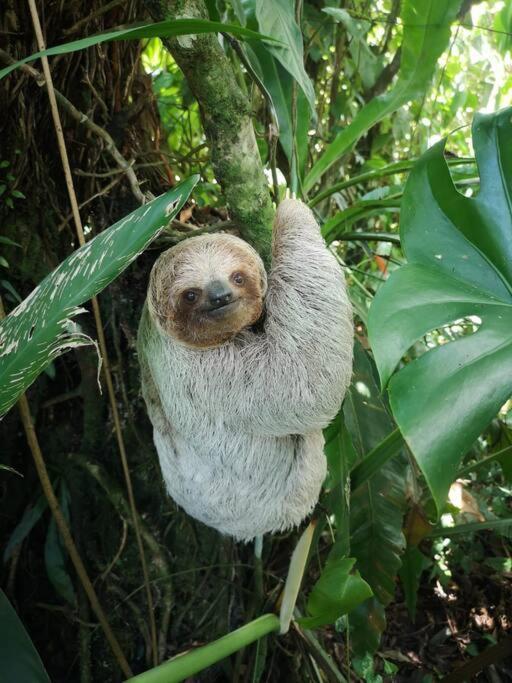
(42, 326)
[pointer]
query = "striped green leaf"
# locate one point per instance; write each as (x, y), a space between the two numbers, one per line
(42, 327)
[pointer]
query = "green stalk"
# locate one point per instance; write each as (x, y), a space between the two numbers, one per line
(470, 528)
(391, 169)
(366, 236)
(376, 458)
(189, 663)
(482, 463)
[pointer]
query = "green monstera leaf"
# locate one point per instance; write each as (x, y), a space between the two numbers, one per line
(459, 253)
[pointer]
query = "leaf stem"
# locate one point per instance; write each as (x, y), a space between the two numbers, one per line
(99, 324)
(471, 527)
(69, 544)
(482, 463)
(376, 458)
(368, 237)
(391, 169)
(185, 665)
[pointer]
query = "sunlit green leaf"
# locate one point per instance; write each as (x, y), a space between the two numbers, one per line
(367, 62)
(277, 19)
(426, 35)
(279, 87)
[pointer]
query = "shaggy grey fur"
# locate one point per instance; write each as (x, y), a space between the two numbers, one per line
(238, 427)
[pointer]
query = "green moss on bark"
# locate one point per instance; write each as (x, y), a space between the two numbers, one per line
(225, 113)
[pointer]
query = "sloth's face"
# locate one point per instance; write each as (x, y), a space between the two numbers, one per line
(208, 289)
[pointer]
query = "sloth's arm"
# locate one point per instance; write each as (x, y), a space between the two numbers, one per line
(303, 366)
(149, 390)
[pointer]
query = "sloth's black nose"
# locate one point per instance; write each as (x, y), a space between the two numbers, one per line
(219, 294)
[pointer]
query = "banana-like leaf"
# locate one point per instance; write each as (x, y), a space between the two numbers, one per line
(367, 624)
(459, 252)
(274, 77)
(19, 660)
(279, 87)
(333, 228)
(426, 35)
(161, 29)
(277, 19)
(377, 506)
(42, 327)
(414, 563)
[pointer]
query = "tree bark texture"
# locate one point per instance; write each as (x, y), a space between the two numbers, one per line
(226, 117)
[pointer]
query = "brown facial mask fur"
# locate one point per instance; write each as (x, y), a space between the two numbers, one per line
(185, 281)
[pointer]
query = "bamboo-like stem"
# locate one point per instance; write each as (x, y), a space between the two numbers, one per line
(483, 462)
(99, 324)
(391, 169)
(376, 458)
(65, 533)
(185, 665)
(296, 571)
(470, 528)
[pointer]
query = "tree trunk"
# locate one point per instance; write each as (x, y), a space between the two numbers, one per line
(226, 117)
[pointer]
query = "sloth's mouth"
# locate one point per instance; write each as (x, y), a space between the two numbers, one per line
(221, 311)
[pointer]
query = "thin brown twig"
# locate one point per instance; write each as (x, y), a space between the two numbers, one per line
(99, 325)
(93, 15)
(119, 552)
(65, 533)
(83, 119)
(100, 193)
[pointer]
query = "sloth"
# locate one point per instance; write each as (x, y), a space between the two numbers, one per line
(238, 408)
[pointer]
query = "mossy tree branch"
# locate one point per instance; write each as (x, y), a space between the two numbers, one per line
(225, 114)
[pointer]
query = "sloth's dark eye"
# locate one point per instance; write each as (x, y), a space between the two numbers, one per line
(238, 278)
(190, 296)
